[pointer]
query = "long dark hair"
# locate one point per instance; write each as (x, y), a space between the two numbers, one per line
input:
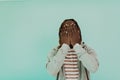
(63, 23)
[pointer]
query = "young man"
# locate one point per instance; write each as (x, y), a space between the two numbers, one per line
(72, 59)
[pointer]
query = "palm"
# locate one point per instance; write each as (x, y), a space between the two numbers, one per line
(70, 34)
(64, 37)
(75, 37)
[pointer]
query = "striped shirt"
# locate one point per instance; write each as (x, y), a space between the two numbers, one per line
(70, 66)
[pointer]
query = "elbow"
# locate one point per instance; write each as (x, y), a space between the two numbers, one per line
(51, 71)
(94, 68)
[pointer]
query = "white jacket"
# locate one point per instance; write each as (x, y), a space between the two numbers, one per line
(87, 61)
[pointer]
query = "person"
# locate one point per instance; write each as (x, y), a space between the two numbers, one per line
(72, 59)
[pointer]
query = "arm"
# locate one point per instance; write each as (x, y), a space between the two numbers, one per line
(56, 59)
(87, 56)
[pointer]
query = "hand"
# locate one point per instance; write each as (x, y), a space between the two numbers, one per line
(64, 37)
(78, 49)
(75, 36)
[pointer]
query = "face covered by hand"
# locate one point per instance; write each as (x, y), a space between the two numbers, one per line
(70, 33)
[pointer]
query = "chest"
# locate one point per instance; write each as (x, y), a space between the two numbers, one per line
(71, 70)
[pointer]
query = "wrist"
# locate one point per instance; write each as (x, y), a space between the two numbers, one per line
(65, 46)
(78, 49)
(77, 46)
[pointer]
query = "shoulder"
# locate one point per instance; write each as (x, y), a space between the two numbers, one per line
(53, 51)
(88, 48)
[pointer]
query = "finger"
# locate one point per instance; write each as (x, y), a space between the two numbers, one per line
(69, 34)
(62, 36)
(64, 33)
(72, 31)
(63, 29)
(72, 35)
(74, 28)
(68, 29)
(77, 29)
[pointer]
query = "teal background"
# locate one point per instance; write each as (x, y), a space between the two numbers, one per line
(29, 30)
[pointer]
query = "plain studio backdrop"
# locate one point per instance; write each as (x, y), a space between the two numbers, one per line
(29, 30)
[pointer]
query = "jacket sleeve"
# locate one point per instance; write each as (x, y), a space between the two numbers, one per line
(87, 56)
(55, 59)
